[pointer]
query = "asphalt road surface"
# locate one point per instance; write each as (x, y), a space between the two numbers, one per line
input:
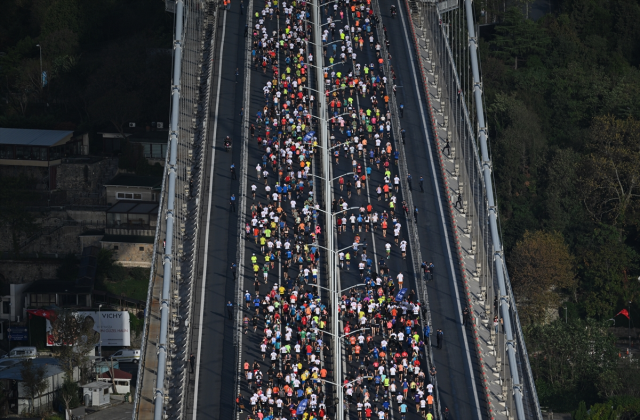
(217, 368)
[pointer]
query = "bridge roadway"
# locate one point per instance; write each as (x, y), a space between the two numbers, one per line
(211, 394)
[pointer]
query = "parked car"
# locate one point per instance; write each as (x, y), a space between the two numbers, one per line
(126, 355)
(22, 353)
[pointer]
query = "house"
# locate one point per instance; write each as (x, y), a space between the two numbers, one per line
(132, 218)
(122, 378)
(153, 139)
(17, 394)
(96, 394)
(130, 250)
(134, 188)
(41, 150)
(47, 293)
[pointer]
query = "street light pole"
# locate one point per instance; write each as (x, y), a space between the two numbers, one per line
(41, 78)
(324, 141)
(100, 329)
(629, 330)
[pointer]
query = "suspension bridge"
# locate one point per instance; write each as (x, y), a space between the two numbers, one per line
(192, 357)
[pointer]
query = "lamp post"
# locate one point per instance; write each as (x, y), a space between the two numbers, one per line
(8, 335)
(629, 330)
(41, 78)
(331, 180)
(100, 329)
(340, 291)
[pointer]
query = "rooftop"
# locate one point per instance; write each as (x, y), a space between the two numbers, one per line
(52, 286)
(130, 180)
(52, 367)
(131, 239)
(117, 373)
(30, 137)
(134, 207)
(96, 385)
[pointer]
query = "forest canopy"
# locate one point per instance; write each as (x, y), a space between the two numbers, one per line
(563, 105)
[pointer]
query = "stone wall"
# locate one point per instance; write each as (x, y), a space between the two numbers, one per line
(39, 174)
(131, 254)
(62, 240)
(27, 271)
(83, 178)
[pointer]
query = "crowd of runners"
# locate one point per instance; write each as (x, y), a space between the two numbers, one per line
(283, 314)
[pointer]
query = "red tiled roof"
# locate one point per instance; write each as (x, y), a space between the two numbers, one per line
(119, 374)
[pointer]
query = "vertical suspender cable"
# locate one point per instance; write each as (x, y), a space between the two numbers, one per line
(168, 251)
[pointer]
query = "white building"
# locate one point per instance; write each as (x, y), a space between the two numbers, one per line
(18, 394)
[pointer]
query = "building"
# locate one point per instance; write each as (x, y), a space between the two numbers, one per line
(152, 138)
(132, 219)
(122, 378)
(134, 188)
(38, 153)
(16, 392)
(96, 394)
(43, 294)
(130, 250)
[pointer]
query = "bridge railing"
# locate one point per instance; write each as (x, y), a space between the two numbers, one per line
(450, 45)
(163, 370)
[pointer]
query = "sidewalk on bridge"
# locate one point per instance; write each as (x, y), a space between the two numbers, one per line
(469, 245)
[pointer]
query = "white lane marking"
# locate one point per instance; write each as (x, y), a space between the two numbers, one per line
(442, 219)
(206, 238)
(244, 156)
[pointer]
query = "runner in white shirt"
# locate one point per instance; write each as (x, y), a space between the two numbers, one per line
(403, 249)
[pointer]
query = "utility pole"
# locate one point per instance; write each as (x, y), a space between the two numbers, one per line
(629, 331)
(100, 329)
(41, 76)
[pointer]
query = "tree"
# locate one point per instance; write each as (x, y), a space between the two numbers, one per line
(34, 380)
(603, 263)
(517, 37)
(119, 108)
(581, 412)
(541, 267)
(73, 338)
(610, 174)
(563, 207)
(519, 150)
(15, 195)
(69, 395)
(573, 359)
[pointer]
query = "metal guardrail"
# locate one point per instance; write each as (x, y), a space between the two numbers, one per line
(460, 79)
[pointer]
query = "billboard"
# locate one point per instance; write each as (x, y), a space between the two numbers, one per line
(113, 327)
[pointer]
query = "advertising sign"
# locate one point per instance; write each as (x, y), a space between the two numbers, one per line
(113, 327)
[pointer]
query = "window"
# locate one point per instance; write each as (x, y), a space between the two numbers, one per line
(6, 307)
(141, 248)
(115, 247)
(129, 196)
(40, 300)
